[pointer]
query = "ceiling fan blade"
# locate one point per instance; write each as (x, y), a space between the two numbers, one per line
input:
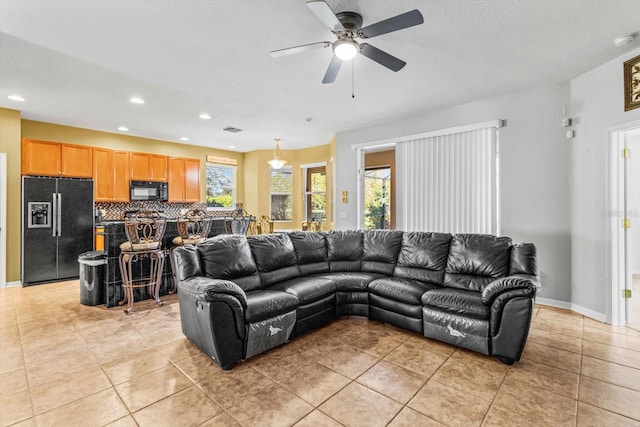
(399, 22)
(332, 71)
(298, 49)
(325, 14)
(381, 57)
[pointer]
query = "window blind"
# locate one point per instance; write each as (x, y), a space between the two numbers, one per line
(448, 183)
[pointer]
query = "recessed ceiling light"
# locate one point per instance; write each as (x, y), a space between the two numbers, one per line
(16, 98)
(136, 100)
(205, 116)
(232, 146)
(184, 138)
(123, 128)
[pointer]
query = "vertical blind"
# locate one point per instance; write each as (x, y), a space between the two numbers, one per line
(448, 183)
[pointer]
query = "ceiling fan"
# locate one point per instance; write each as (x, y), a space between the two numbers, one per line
(347, 26)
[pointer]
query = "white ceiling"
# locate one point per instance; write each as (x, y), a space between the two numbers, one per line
(77, 62)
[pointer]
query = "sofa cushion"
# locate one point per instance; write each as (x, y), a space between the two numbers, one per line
(307, 289)
(381, 248)
(457, 301)
(423, 256)
(523, 259)
(400, 289)
(354, 281)
(476, 259)
(275, 257)
(345, 250)
(264, 304)
(228, 256)
(311, 250)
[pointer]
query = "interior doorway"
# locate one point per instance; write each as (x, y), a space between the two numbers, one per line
(625, 225)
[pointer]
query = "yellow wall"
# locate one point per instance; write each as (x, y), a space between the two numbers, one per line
(116, 141)
(10, 144)
(257, 182)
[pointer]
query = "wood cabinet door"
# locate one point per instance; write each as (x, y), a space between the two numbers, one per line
(176, 179)
(157, 167)
(76, 160)
(103, 174)
(191, 180)
(40, 157)
(139, 166)
(121, 176)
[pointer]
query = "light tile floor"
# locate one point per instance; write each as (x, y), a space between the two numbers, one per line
(64, 364)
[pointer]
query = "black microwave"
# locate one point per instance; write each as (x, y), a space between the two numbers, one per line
(149, 190)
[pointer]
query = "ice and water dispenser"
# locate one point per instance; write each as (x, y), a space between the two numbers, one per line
(39, 214)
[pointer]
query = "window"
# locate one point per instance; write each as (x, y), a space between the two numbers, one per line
(221, 186)
(377, 198)
(315, 189)
(281, 190)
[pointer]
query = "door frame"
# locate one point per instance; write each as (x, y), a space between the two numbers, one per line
(617, 269)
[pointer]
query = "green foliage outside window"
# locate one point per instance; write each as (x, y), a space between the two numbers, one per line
(220, 186)
(377, 199)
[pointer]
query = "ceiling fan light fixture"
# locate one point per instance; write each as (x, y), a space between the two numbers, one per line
(277, 163)
(345, 49)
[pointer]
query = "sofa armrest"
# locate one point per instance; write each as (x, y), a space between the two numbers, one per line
(524, 282)
(206, 289)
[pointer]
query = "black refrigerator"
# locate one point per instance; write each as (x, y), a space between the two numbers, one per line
(57, 226)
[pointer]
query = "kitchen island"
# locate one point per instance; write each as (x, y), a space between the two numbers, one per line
(114, 235)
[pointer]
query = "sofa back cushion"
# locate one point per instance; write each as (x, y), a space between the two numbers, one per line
(381, 248)
(275, 257)
(423, 256)
(475, 260)
(345, 250)
(228, 257)
(523, 259)
(311, 250)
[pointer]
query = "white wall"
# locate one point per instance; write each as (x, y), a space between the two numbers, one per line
(597, 104)
(534, 168)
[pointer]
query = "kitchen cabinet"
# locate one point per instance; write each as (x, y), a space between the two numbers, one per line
(148, 167)
(99, 238)
(184, 180)
(56, 159)
(111, 175)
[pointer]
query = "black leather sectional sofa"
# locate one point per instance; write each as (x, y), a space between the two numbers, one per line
(240, 296)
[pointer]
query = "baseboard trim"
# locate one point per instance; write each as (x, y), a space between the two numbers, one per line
(14, 284)
(600, 317)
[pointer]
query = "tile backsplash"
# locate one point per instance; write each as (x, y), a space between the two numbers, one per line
(115, 211)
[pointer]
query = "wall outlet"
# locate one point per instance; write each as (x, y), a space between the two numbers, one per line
(566, 122)
(570, 134)
(342, 215)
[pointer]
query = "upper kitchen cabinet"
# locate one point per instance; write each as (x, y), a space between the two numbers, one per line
(184, 180)
(111, 175)
(56, 159)
(148, 167)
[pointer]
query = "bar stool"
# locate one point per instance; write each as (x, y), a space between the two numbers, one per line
(144, 231)
(193, 228)
(264, 225)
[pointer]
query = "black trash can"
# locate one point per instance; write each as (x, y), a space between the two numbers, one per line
(92, 277)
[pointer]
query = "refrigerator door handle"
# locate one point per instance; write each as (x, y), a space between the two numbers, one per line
(59, 213)
(54, 217)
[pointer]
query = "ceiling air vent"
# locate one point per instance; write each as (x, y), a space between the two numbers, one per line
(231, 129)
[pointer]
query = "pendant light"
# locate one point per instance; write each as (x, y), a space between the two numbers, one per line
(277, 162)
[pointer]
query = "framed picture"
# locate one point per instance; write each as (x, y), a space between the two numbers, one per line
(632, 83)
